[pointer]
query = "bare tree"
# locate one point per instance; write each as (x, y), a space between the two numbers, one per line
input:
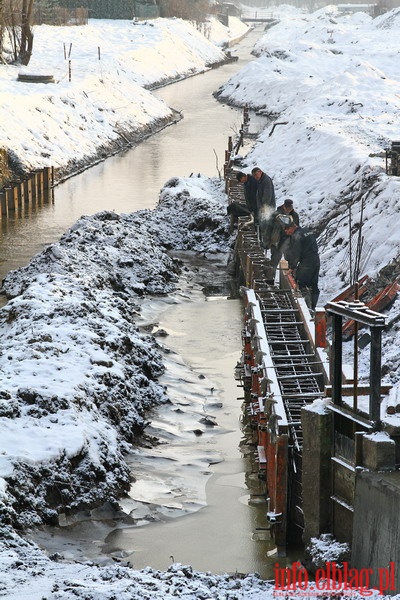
(16, 33)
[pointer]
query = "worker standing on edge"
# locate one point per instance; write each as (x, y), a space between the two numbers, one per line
(301, 252)
(266, 205)
(250, 192)
(278, 235)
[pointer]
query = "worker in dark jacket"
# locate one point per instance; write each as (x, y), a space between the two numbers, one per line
(278, 235)
(265, 204)
(250, 185)
(265, 189)
(301, 252)
(287, 208)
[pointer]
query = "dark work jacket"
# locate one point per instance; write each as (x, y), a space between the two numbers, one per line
(301, 249)
(278, 235)
(250, 193)
(265, 192)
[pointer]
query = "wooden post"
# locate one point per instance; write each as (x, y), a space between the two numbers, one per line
(28, 191)
(3, 204)
(40, 186)
(21, 193)
(48, 183)
(375, 374)
(336, 360)
(35, 195)
(9, 192)
(16, 201)
(47, 178)
(320, 328)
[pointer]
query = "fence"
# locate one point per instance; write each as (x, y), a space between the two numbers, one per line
(60, 16)
(35, 190)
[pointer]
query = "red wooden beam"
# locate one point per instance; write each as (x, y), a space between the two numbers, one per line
(378, 303)
(348, 293)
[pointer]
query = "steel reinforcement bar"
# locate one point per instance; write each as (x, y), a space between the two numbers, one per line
(281, 370)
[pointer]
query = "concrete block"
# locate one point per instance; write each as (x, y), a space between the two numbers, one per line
(376, 528)
(317, 447)
(379, 452)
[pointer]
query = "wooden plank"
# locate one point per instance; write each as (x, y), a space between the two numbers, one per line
(281, 492)
(378, 303)
(348, 293)
(362, 390)
(9, 192)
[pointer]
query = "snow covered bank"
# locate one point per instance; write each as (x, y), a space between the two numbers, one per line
(28, 573)
(77, 374)
(106, 102)
(333, 82)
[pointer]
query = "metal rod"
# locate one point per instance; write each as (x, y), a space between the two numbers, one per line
(355, 354)
(376, 372)
(337, 359)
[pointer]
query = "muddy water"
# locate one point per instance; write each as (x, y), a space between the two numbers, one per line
(221, 536)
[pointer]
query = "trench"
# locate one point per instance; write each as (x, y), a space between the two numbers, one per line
(196, 497)
(213, 526)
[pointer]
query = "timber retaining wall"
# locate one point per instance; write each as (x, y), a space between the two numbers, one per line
(20, 195)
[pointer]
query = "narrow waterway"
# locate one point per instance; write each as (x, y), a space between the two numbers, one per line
(197, 497)
(198, 512)
(132, 180)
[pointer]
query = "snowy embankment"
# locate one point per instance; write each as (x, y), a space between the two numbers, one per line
(100, 101)
(77, 375)
(28, 573)
(332, 82)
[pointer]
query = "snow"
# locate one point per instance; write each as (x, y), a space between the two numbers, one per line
(319, 406)
(102, 72)
(325, 549)
(379, 436)
(78, 375)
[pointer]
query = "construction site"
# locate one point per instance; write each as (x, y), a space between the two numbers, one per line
(326, 447)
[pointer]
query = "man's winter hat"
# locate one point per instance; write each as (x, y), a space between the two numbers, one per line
(288, 202)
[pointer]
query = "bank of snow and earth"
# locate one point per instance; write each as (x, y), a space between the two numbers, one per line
(77, 374)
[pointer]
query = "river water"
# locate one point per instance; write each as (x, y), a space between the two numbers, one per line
(192, 502)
